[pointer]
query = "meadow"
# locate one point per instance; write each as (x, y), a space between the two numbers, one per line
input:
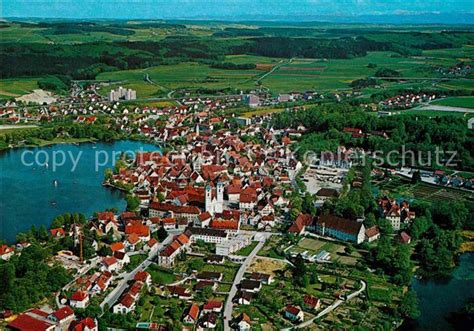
(181, 76)
(463, 102)
(335, 74)
(16, 87)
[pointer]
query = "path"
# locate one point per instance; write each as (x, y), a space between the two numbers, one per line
(238, 278)
(333, 306)
(123, 283)
(81, 272)
(446, 108)
(276, 67)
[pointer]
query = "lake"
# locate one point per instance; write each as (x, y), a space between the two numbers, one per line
(438, 298)
(34, 193)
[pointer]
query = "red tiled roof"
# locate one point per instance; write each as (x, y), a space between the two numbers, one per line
(193, 311)
(127, 300)
(176, 209)
(225, 224)
(117, 246)
(25, 322)
(212, 304)
(63, 313)
(81, 325)
(109, 260)
(57, 231)
(79, 295)
(141, 276)
(293, 310)
(152, 242)
(139, 229)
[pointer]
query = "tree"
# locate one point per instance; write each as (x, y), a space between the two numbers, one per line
(162, 233)
(132, 202)
(349, 249)
(408, 307)
(416, 177)
(195, 264)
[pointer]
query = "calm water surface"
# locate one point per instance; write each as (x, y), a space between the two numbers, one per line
(439, 298)
(28, 195)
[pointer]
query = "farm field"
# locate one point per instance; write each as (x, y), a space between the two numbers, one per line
(17, 86)
(180, 76)
(436, 113)
(322, 74)
(463, 102)
(402, 188)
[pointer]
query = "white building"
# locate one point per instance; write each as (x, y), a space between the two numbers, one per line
(215, 204)
(122, 93)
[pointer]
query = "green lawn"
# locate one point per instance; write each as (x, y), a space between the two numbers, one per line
(17, 86)
(247, 250)
(463, 102)
(180, 76)
(322, 74)
(161, 276)
(135, 260)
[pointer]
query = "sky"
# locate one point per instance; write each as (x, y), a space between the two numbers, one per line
(291, 10)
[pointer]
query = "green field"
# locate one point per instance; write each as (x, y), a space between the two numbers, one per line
(322, 74)
(463, 102)
(180, 76)
(17, 86)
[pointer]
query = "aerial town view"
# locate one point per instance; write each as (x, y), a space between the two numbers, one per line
(236, 165)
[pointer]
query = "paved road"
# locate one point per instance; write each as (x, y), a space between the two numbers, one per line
(238, 278)
(122, 285)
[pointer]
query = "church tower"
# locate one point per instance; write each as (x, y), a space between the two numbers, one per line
(219, 207)
(208, 203)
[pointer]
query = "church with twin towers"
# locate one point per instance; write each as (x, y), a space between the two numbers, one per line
(215, 199)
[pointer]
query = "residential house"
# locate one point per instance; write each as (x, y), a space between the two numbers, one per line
(80, 299)
(294, 313)
(6, 252)
(243, 297)
(208, 320)
(250, 286)
(311, 303)
(372, 233)
(191, 315)
(261, 277)
(143, 277)
(86, 324)
(63, 316)
(243, 322)
(212, 306)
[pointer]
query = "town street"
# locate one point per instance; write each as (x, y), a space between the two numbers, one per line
(238, 278)
(123, 283)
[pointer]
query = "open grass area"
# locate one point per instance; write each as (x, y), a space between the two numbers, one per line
(463, 102)
(247, 250)
(161, 276)
(311, 246)
(181, 76)
(18, 86)
(266, 265)
(263, 111)
(436, 113)
(323, 74)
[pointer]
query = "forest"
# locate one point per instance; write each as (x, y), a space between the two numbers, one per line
(419, 134)
(86, 60)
